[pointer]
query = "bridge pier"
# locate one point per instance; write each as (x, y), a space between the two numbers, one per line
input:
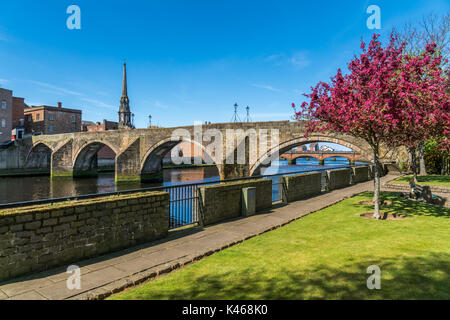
(292, 162)
(152, 172)
(321, 162)
(61, 165)
(128, 165)
(233, 171)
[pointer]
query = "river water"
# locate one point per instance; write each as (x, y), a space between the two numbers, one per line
(16, 189)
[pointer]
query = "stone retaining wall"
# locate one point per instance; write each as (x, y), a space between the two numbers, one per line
(224, 201)
(338, 178)
(301, 186)
(37, 238)
(406, 188)
(360, 174)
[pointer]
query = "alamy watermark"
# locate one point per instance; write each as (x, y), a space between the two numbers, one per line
(374, 280)
(73, 282)
(74, 20)
(227, 146)
(374, 20)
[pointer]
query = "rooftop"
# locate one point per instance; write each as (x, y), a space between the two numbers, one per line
(60, 109)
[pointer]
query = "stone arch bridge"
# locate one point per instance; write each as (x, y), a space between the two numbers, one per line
(139, 152)
(292, 156)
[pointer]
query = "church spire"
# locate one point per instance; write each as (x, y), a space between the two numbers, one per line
(125, 115)
(124, 84)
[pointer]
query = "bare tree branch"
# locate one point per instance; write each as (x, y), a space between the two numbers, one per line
(432, 28)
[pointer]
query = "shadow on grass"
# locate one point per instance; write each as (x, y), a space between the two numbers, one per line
(430, 179)
(401, 278)
(406, 207)
(427, 179)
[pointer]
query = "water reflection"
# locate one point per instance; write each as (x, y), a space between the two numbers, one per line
(15, 189)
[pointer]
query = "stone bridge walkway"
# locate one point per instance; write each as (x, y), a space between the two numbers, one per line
(102, 276)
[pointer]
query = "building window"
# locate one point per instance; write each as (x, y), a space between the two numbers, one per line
(73, 119)
(50, 117)
(3, 123)
(38, 117)
(3, 104)
(51, 128)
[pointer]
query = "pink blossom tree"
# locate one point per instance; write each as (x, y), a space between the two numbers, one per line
(387, 98)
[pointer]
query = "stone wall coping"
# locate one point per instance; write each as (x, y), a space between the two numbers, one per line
(234, 183)
(71, 203)
(341, 169)
(302, 175)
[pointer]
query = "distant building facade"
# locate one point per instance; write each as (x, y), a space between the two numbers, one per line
(314, 147)
(52, 120)
(11, 116)
(18, 118)
(97, 126)
(325, 148)
(6, 102)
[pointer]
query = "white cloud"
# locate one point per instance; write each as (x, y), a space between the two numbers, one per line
(161, 105)
(4, 81)
(99, 103)
(298, 59)
(58, 89)
(266, 87)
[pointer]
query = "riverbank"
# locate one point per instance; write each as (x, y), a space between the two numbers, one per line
(24, 172)
(46, 171)
(114, 272)
(23, 188)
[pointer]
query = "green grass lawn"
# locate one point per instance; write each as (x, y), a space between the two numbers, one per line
(325, 256)
(426, 180)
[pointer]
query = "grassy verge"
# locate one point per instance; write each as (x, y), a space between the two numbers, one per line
(325, 256)
(432, 180)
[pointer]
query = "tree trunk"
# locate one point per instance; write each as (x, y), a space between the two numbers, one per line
(422, 168)
(376, 193)
(412, 151)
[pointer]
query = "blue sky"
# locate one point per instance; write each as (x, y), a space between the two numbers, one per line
(187, 60)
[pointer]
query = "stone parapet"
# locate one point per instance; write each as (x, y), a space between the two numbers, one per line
(224, 201)
(301, 186)
(38, 238)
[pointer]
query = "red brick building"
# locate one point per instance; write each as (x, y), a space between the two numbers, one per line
(104, 126)
(18, 105)
(11, 116)
(52, 120)
(5, 114)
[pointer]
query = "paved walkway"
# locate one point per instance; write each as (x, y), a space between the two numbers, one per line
(103, 276)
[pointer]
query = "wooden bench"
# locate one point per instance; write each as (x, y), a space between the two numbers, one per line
(424, 193)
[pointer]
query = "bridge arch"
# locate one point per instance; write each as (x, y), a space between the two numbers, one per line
(151, 163)
(39, 156)
(85, 161)
(292, 143)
